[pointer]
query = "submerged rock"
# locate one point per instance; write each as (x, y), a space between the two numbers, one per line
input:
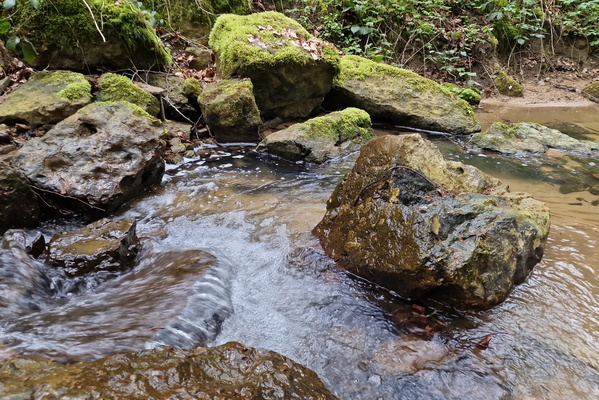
(229, 108)
(18, 203)
(423, 227)
(291, 70)
(400, 96)
(110, 34)
(94, 160)
(321, 138)
(101, 246)
(524, 138)
(47, 98)
(219, 373)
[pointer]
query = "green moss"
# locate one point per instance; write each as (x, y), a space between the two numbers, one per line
(192, 87)
(239, 42)
(592, 91)
(470, 95)
(77, 86)
(507, 85)
(120, 88)
(68, 23)
(135, 109)
(349, 124)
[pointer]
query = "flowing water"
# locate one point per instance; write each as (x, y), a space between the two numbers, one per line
(271, 287)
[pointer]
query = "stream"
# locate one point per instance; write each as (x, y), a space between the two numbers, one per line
(271, 287)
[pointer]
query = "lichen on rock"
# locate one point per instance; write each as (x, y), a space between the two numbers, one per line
(290, 69)
(591, 91)
(399, 96)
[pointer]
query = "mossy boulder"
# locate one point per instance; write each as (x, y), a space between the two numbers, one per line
(322, 138)
(18, 202)
(400, 97)
(47, 98)
(591, 91)
(115, 87)
(96, 159)
(290, 69)
(230, 110)
(219, 373)
(426, 228)
(66, 35)
(524, 138)
(507, 85)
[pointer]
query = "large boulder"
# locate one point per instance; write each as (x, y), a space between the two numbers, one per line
(322, 138)
(110, 34)
(18, 202)
(115, 87)
(400, 97)
(412, 222)
(94, 160)
(101, 246)
(524, 138)
(230, 110)
(290, 69)
(47, 98)
(219, 373)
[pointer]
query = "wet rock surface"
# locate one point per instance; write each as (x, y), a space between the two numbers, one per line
(94, 160)
(224, 372)
(18, 202)
(407, 220)
(101, 246)
(47, 98)
(322, 138)
(523, 138)
(400, 97)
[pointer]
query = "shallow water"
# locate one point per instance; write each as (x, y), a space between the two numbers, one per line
(255, 217)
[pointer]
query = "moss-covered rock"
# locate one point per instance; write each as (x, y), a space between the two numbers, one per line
(470, 95)
(399, 96)
(423, 227)
(524, 138)
(592, 91)
(47, 98)
(120, 88)
(178, 100)
(230, 110)
(507, 85)
(219, 373)
(290, 69)
(321, 138)
(66, 35)
(18, 203)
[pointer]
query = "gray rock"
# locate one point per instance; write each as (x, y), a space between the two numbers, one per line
(96, 159)
(47, 98)
(399, 96)
(177, 104)
(412, 222)
(18, 203)
(524, 138)
(321, 138)
(230, 110)
(101, 246)
(591, 91)
(290, 69)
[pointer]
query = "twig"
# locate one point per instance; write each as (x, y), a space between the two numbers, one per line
(66, 197)
(94, 18)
